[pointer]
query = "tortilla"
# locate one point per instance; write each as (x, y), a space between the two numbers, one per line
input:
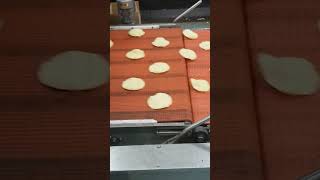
(159, 67)
(111, 43)
(136, 32)
(74, 70)
(159, 101)
(205, 45)
(133, 84)
(290, 75)
(160, 42)
(135, 54)
(189, 34)
(188, 54)
(200, 85)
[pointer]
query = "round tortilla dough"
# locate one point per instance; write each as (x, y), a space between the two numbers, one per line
(200, 85)
(159, 67)
(188, 54)
(133, 84)
(135, 54)
(136, 32)
(289, 75)
(205, 45)
(74, 70)
(190, 34)
(159, 101)
(111, 43)
(160, 42)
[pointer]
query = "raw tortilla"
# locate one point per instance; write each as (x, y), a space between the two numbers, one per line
(159, 101)
(74, 70)
(135, 54)
(160, 42)
(289, 75)
(205, 45)
(200, 85)
(133, 84)
(190, 34)
(136, 32)
(188, 54)
(111, 43)
(159, 67)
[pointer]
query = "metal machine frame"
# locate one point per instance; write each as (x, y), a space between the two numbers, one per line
(140, 132)
(158, 162)
(140, 149)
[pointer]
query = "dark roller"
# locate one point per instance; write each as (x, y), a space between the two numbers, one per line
(290, 75)
(74, 70)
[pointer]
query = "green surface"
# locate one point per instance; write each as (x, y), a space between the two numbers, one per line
(74, 70)
(290, 75)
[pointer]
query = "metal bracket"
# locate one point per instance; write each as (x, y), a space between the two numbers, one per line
(134, 132)
(144, 26)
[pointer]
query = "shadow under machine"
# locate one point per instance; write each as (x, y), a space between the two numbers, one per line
(170, 143)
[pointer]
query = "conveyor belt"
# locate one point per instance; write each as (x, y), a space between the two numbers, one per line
(133, 105)
(126, 105)
(199, 69)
